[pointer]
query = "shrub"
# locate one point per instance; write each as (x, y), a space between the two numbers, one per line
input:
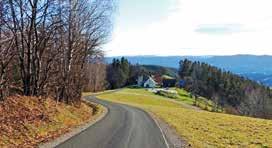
(167, 94)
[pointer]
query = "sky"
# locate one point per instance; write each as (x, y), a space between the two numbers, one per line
(191, 27)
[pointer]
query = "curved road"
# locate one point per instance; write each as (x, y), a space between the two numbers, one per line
(122, 127)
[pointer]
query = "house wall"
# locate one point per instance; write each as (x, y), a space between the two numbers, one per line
(149, 83)
(169, 82)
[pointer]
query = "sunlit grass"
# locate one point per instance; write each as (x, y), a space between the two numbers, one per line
(200, 128)
(201, 102)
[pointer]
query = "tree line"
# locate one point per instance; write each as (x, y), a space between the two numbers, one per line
(45, 45)
(118, 73)
(122, 73)
(236, 94)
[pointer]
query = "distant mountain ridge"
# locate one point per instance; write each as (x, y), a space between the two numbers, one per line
(257, 68)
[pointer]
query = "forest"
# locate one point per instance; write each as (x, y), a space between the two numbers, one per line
(236, 94)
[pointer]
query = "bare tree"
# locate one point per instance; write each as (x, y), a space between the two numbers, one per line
(95, 75)
(6, 51)
(87, 29)
(32, 27)
(50, 42)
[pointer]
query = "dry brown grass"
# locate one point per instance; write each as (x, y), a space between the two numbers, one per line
(28, 121)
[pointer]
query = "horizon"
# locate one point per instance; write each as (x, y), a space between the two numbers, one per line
(191, 27)
(187, 55)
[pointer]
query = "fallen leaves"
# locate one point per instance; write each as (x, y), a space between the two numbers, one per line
(28, 121)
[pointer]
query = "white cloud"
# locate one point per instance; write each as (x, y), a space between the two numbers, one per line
(241, 27)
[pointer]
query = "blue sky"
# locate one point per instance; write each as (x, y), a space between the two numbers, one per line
(192, 27)
(139, 13)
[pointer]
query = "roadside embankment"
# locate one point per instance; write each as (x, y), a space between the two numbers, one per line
(29, 121)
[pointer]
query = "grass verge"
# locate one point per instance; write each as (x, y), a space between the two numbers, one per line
(199, 128)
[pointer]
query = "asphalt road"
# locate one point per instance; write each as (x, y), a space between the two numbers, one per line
(122, 127)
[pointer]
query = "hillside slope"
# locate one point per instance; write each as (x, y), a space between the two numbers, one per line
(199, 128)
(29, 121)
(173, 72)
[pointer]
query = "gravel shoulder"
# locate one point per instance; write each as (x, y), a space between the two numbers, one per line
(173, 139)
(96, 118)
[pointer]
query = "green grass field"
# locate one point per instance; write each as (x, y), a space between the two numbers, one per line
(199, 128)
(202, 102)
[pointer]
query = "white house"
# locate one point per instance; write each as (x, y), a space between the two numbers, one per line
(147, 82)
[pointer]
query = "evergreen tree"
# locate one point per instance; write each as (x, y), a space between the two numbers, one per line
(118, 73)
(227, 90)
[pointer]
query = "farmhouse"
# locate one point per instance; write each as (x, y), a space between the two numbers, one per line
(146, 81)
(168, 81)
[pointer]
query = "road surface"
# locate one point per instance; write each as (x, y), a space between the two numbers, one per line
(122, 127)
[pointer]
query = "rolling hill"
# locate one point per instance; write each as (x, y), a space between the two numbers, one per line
(258, 68)
(173, 72)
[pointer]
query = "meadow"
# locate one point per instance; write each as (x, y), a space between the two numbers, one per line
(201, 102)
(198, 127)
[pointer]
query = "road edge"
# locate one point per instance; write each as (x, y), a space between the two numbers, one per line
(162, 132)
(76, 130)
(172, 139)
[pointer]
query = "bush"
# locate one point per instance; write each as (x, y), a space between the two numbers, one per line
(167, 94)
(133, 86)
